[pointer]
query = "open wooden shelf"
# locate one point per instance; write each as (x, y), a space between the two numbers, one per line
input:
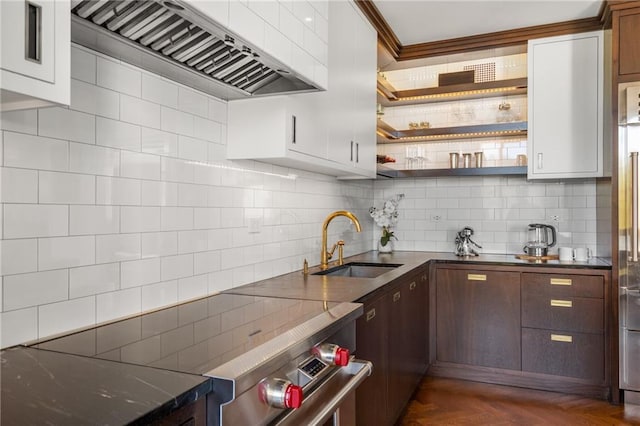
(472, 171)
(388, 96)
(387, 134)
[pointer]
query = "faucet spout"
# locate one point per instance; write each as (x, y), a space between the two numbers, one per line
(324, 255)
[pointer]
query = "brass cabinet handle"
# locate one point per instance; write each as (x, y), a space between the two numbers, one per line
(561, 338)
(476, 277)
(560, 281)
(412, 285)
(561, 303)
(424, 277)
(396, 296)
(371, 314)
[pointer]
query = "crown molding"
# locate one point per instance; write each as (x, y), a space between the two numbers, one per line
(519, 36)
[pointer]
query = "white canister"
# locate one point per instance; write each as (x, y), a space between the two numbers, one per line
(582, 254)
(565, 254)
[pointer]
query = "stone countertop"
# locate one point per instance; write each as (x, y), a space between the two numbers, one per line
(46, 387)
(341, 289)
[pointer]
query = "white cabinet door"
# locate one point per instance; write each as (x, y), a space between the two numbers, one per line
(565, 96)
(352, 89)
(364, 122)
(34, 53)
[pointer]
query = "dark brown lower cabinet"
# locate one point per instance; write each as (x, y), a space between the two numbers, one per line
(393, 334)
(478, 318)
(538, 327)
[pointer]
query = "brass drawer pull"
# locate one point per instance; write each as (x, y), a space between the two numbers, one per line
(560, 281)
(476, 277)
(412, 285)
(561, 303)
(371, 314)
(561, 338)
(396, 296)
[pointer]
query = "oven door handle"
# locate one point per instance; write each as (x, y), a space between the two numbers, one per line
(358, 369)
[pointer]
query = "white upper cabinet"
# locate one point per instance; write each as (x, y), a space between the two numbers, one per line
(565, 102)
(352, 95)
(330, 132)
(34, 53)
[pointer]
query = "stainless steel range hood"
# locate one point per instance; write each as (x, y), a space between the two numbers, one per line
(174, 40)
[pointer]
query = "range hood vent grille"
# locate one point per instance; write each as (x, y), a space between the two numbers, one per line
(165, 31)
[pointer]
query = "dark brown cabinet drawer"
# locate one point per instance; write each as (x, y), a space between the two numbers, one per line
(557, 285)
(578, 314)
(579, 355)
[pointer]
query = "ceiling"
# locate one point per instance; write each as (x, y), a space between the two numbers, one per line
(421, 21)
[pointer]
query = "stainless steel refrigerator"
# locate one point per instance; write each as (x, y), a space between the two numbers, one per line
(629, 239)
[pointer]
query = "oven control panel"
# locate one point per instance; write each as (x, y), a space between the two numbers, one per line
(312, 368)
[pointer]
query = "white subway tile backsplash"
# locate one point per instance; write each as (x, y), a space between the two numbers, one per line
(314, 45)
(91, 220)
(62, 123)
(161, 294)
(140, 272)
(206, 262)
(116, 134)
(191, 195)
(192, 102)
(33, 152)
(155, 193)
(21, 121)
(138, 111)
(118, 304)
(33, 220)
(83, 65)
(140, 219)
(159, 142)
(175, 121)
(217, 110)
(159, 244)
(206, 218)
(176, 218)
(94, 100)
(116, 76)
(192, 287)
(139, 166)
(18, 256)
(117, 191)
(113, 248)
(159, 91)
(39, 288)
(277, 44)
(94, 279)
(91, 159)
(18, 185)
(291, 25)
(18, 326)
(192, 149)
(192, 241)
(246, 23)
(176, 170)
(66, 188)
(66, 252)
(64, 316)
(173, 267)
(267, 10)
(207, 130)
(304, 12)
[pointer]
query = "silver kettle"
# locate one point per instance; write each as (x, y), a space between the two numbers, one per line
(539, 244)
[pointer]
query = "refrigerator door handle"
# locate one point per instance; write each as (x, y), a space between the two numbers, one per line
(634, 207)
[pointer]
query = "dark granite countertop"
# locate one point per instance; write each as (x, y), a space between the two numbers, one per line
(45, 387)
(340, 289)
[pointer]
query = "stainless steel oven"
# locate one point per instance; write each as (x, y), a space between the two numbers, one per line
(271, 360)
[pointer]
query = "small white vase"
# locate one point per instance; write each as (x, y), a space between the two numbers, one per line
(388, 248)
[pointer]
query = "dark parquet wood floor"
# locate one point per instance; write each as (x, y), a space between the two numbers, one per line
(441, 401)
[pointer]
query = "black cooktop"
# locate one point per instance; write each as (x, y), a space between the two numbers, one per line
(193, 337)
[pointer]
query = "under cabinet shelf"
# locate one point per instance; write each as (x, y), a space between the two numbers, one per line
(388, 96)
(471, 171)
(387, 134)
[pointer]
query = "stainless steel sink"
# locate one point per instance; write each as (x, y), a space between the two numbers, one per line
(359, 270)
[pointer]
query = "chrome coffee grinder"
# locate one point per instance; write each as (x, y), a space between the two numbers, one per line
(464, 243)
